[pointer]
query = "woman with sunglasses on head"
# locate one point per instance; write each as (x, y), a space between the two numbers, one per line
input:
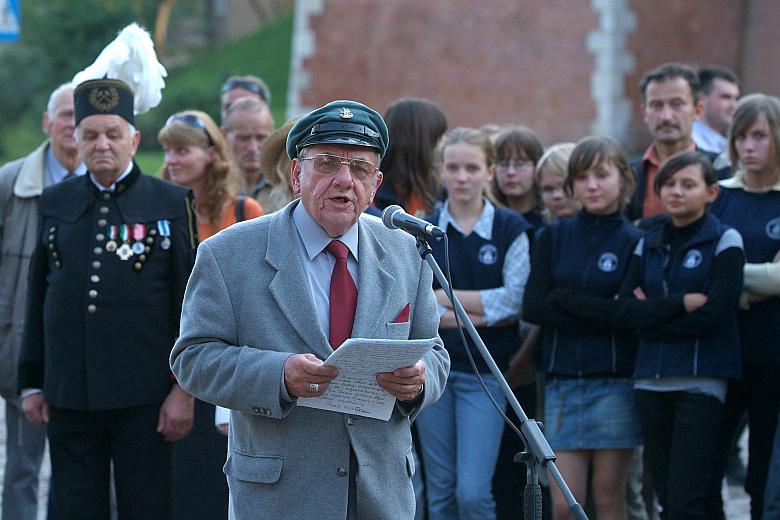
(750, 202)
(590, 416)
(460, 434)
(196, 157)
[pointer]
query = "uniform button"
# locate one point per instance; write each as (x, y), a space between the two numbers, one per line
(152, 231)
(149, 240)
(341, 472)
(106, 195)
(103, 210)
(94, 278)
(51, 238)
(350, 421)
(100, 237)
(51, 246)
(92, 309)
(93, 293)
(52, 229)
(256, 409)
(58, 263)
(98, 250)
(137, 266)
(54, 254)
(102, 222)
(142, 257)
(96, 264)
(147, 250)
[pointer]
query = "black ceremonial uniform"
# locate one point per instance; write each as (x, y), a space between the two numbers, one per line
(99, 330)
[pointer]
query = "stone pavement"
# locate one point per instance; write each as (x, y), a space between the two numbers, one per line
(738, 505)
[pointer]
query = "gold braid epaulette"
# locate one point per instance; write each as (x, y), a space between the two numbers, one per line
(191, 224)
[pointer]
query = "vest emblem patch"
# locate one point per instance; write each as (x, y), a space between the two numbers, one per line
(608, 262)
(692, 259)
(488, 254)
(773, 228)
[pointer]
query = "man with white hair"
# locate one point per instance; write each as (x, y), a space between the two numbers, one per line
(21, 184)
(107, 278)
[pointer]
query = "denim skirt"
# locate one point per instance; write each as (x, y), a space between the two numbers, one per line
(591, 414)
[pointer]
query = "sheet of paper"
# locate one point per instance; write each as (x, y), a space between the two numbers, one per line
(359, 360)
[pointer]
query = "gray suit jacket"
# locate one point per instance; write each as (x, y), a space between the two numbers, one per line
(247, 308)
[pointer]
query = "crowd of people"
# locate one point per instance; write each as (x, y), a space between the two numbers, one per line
(632, 305)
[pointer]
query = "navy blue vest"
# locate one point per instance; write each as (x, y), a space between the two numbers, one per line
(477, 264)
(757, 218)
(715, 354)
(590, 254)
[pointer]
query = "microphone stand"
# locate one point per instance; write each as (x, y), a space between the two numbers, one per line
(538, 453)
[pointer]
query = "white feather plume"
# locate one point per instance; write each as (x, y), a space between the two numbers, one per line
(130, 58)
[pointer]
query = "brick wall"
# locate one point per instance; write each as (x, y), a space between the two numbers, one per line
(521, 61)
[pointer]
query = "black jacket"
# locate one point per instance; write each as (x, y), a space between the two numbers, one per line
(99, 328)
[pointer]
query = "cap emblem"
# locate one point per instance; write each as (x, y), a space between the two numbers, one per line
(104, 98)
(345, 113)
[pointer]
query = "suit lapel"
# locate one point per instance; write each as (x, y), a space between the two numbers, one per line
(374, 284)
(289, 287)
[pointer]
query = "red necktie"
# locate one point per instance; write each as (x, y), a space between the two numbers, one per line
(343, 296)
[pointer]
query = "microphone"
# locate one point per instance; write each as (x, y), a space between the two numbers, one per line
(395, 217)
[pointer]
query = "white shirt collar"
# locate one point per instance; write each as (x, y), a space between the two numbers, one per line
(113, 184)
(737, 181)
(315, 239)
(707, 138)
(483, 227)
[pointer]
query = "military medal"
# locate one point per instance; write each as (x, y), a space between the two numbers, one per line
(139, 232)
(164, 226)
(125, 251)
(111, 245)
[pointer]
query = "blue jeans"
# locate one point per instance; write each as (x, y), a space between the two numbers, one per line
(460, 436)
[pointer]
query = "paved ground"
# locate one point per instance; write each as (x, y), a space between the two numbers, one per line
(737, 504)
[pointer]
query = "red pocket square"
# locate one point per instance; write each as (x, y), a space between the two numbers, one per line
(403, 316)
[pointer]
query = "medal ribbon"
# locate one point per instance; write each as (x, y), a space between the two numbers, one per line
(125, 233)
(113, 231)
(165, 227)
(139, 232)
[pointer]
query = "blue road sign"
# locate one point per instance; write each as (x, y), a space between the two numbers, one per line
(10, 24)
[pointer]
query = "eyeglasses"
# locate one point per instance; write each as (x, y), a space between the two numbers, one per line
(192, 121)
(328, 164)
(246, 85)
(517, 164)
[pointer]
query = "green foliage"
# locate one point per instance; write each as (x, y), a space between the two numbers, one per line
(150, 161)
(265, 53)
(72, 34)
(61, 37)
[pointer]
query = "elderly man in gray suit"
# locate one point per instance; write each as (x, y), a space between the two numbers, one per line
(270, 298)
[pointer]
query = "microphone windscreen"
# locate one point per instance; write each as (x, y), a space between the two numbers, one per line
(387, 215)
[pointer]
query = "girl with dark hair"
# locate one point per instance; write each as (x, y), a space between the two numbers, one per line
(517, 151)
(680, 293)
(415, 126)
(590, 416)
